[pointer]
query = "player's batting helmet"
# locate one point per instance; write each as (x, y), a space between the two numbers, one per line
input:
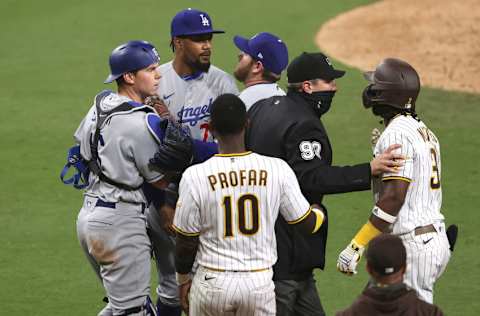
(131, 56)
(394, 83)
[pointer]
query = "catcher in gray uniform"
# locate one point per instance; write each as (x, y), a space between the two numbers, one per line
(117, 143)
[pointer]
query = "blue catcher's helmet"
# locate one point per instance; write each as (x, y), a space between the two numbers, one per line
(131, 56)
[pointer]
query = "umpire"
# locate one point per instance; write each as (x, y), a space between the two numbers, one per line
(289, 127)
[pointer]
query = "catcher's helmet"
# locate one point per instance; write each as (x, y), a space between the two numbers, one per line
(394, 83)
(131, 56)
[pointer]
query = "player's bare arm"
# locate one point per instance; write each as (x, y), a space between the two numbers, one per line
(185, 252)
(167, 213)
(384, 214)
(391, 200)
(388, 161)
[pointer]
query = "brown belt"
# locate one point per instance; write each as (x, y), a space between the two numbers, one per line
(425, 229)
(222, 270)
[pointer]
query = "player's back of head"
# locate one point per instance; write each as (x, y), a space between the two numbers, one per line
(228, 115)
(386, 255)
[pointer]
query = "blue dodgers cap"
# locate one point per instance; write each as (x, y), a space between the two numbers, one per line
(192, 22)
(266, 48)
(131, 56)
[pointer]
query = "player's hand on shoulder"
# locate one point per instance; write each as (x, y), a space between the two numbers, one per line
(159, 106)
(387, 162)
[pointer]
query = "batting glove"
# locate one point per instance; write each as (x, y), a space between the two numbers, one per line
(348, 259)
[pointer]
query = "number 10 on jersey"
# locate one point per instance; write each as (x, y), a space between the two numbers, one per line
(247, 204)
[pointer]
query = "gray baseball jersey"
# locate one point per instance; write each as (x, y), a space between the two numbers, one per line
(257, 92)
(111, 226)
(189, 98)
(232, 202)
(125, 148)
(427, 254)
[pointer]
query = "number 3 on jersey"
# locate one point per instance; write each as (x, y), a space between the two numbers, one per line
(435, 179)
(245, 226)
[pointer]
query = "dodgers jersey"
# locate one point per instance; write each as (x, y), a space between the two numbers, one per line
(189, 98)
(260, 91)
(124, 150)
(422, 169)
(232, 202)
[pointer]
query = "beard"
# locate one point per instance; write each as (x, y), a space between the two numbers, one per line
(197, 65)
(241, 73)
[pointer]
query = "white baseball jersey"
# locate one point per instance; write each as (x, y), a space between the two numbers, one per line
(422, 169)
(427, 254)
(189, 98)
(125, 148)
(257, 92)
(232, 203)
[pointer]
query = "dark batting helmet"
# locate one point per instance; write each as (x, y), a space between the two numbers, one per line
(131, 56)
(394, 83)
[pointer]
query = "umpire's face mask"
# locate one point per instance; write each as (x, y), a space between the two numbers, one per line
(320, 101)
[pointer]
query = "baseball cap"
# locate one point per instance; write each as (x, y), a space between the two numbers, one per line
(309, 66)
(192, 22)
(267, 48)
(386, 254)
(131, 56)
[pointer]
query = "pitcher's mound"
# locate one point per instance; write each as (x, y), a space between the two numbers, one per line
(439, 38)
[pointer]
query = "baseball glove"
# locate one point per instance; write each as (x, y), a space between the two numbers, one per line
(175, 153)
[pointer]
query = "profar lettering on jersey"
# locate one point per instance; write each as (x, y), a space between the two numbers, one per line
(242, 177)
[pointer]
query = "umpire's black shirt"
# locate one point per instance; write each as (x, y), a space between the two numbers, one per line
(287, 127)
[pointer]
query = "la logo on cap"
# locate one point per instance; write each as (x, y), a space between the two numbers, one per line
(205, 21)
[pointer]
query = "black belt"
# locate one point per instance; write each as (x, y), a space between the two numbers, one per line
(102, 203)
(133, 310)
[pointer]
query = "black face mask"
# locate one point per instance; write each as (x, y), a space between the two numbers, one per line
(320, 101)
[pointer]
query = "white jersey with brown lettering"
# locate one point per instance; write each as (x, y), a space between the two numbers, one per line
(419, 222)
(232, 202)
(189, 98)
(422, 169)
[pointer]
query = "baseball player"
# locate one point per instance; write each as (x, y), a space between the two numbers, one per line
(115, 140)
(227, 209)
(188, 87)
(261, 60)
(408, 201)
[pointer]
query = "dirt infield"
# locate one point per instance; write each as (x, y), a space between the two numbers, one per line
(440, 38)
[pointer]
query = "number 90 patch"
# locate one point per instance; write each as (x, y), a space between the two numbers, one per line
(310, 150)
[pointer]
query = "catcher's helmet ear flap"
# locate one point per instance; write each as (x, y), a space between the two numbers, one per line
(394, 83)
(131, 56)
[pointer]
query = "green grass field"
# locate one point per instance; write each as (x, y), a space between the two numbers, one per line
(53, 60)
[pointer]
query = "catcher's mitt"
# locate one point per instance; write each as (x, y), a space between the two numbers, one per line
(175, 153)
